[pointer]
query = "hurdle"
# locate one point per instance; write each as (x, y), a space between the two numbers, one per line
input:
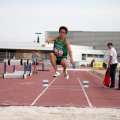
(17, 74)
(43, 66)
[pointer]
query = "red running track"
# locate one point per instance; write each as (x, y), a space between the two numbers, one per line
(60, 92)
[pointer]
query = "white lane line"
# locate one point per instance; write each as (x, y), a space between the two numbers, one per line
(96, 76)
(76, 69)
(43, 91)
(88, 100)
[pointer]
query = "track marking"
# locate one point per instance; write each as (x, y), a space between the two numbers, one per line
(76, 69)
(88, 100)
(43, 91)
(65, 88)
(96, 76)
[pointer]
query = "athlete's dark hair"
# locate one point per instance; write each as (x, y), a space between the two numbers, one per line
(35, 50)
(65, 28)
(109, 44)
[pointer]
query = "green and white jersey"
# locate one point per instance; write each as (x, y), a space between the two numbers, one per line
(60, 49)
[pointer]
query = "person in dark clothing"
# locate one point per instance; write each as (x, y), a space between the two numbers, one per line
(118, 88)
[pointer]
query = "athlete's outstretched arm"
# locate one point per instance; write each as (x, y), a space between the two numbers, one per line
(70, 52)
(48, 40)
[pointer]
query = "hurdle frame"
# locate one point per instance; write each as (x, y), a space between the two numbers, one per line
(24, 75)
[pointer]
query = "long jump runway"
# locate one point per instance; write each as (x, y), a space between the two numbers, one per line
(59, 92)
(64, 92)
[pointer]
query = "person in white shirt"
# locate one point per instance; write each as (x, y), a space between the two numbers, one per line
(112, 63)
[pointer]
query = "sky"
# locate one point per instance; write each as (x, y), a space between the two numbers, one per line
(21, 19)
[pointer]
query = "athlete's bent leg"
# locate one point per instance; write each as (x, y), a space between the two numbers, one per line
(53, 61)
(64, 64)
(34, 68)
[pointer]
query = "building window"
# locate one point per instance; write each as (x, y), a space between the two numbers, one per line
(90, 55)
(96, 56)
(101, 56)
(83, 56)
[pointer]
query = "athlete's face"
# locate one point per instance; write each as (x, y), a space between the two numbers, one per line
(62, 33)
(33, 52)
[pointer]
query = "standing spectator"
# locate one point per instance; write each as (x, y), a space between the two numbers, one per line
(118, 81)
(112, 63)
(35, 58)
(92, 62)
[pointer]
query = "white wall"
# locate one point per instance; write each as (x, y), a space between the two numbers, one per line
(78, 51)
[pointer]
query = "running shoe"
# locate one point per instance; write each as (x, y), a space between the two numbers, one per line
(117, 88)
(56, 74)
(34, 72)
(111, 87)
(66, 75)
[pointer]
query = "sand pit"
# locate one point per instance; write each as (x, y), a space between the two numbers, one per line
(57, 113)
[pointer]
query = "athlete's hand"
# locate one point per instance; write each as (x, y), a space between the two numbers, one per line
(47, 41)
(72, 62)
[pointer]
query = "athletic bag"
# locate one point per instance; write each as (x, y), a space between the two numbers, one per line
(106, 80)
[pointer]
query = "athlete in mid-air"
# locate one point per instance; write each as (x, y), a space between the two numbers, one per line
(60, 50)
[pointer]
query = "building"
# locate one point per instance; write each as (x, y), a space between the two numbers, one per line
(85, 46)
